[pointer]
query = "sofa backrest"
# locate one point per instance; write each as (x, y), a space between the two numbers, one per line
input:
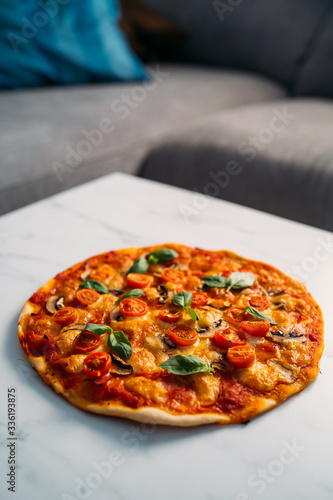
(288, 40)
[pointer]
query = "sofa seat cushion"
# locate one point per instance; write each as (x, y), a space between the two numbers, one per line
(53, 139)
(276, 157)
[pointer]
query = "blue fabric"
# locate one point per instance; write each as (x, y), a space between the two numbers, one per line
(63, 42)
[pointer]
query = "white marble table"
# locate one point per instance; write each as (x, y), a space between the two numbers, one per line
(285, 453)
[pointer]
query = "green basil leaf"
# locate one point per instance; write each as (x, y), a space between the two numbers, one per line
(97, 329)
(185, 365)
(182, 299)
(119, 344)
(259, 315)
(215, 281)
(136, 292)
(96, 285)
(193, 314)
(163, 255)
(240, 280)
(140, 266)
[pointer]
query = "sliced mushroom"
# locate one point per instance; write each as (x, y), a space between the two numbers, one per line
(85, 274)
(222, 364)
(164, 294)
(210, 330)
(218, 308)
(53, 304)
(284, 373)
(168, 342)
(120, 366)
(177, 265)
(79, 328)
(275, 293)
(279, 306)
(117, 292)
(116, 314)
(280, 336)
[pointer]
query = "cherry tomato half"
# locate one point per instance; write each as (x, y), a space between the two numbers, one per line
(256, 328)
(182, 335)
(229, 338)
(199, 299)
(241, 356)
(168, 316)
(134, 280)
(87, 296)
(65, 315)
(87, 342)
(236, 315)
(102, 273)
(173, 275)
(97, 364)
(259, 302)
(39, 345)
(133, 307)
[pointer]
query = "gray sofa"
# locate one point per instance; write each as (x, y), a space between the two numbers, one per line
(240, 113)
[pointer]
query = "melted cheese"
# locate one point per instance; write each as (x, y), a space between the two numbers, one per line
(73, 364)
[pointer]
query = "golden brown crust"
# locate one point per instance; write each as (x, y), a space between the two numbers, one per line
(259, 396)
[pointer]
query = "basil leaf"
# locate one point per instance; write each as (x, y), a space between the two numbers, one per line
(240, 280)
(163, 255)
(136, 292)
(95, 285)
(259, 315)
(182, 299)
(97, 329)
(119, 344)
(140, 266)
(185, 365)
(193, 314)
(215, 281)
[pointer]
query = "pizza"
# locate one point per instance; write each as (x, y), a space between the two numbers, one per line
(170, 334)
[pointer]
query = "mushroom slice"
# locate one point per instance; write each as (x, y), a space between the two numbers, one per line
(85, 274)
(116, 291)
(164, 293)
(280, 336)
(209, 331)
(116, 315)
(119, 366)
(79, 328)
(168, 342)
(222, 364)
(53, 304)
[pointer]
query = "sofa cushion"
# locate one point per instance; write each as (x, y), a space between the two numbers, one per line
(276, 157)
(53, 139)
(272, 37)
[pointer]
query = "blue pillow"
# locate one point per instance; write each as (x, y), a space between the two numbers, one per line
(63, 42)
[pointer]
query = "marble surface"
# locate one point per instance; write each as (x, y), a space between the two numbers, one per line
(65, 453)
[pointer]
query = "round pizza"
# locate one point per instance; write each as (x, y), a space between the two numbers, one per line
(175, 335)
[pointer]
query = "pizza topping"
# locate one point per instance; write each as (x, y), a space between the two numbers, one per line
(134, 280)
(55, 303)
(101, 274)
(161, 256)
(259, 302)
(182, 335)
(95, 285)
(236, 315)
(97, 364)
(87, 342)
(256, 328)
(140, 266)
(199, 299)
(119, 366)
(164, 293)
(229, 338)
(183, 300)
(39, 297)
(236, 281)
(185, 365)
(87, 296)
(221, 363)
(169, 316)
(278, 336)
(65, 315)
(241, 356)
(135, 293)
(257, 314)
(119, 344)
(173, 275)
(168, 342)
(133, 307)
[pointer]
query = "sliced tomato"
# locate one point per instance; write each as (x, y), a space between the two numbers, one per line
(229, 338)
(97, 364)
(134, 280)
(173, 275)
(133, 307)
(102, 273)
(87, 342)
(40, 345)
(199, 299)
(236, 315)
(182, 335)
(168, 316)
(256, 328)
(41, 324)
(259, 302)
(39, 297)
(87, 296)
(65, 315)
(241, 356)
